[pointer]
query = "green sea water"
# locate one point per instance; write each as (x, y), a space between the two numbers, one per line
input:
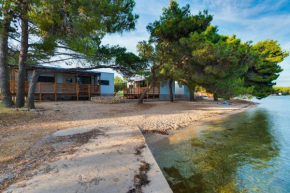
(245, 152)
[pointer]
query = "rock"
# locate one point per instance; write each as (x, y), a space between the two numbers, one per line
(37, 110)
(23, 109)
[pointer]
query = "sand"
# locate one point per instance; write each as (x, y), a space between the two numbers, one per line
(108, 162)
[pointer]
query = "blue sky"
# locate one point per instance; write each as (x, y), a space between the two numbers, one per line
(254, 20)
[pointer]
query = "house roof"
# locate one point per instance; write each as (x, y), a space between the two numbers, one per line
(62, 68)
(138, 79)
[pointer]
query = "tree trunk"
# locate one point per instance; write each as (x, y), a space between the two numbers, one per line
(142, 96)
(20, 96)
(31, 90)
(170, 90)
(215, 97)
(191, 97)
(152, 83)
(4, 72)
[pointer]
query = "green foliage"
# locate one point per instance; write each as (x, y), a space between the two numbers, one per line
(216, 63)
(262, 74)
(119, 94)
(168, 55)
(74, 30)
(176, 23)
(226, 66)
(119, 84)
(193, 53)
(283, 90)
(118, 80)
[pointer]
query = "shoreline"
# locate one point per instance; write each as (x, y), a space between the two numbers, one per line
(152, 138)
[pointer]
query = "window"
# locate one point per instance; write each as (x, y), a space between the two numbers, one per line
(180, 85)
(68, 80)
(45, 79)
(104, 82)
(84, 80)
(143, 84)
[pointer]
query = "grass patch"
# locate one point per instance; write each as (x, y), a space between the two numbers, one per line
(11, 115)
(120, 94)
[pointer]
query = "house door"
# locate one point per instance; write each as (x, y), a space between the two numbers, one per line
(84, 82)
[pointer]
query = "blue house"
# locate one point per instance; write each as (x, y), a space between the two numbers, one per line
(75, 84)
(161, 91)
(180, 92)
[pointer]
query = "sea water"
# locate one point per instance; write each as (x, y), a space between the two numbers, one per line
(245, 152)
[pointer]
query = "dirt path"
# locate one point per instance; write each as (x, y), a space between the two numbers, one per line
(111, 162)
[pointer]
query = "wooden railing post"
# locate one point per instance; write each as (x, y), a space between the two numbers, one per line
(55, 87)
(77, 86)
(77, 91)
(55, 91)
(148, 92)
(11, 90)
(89, 91)
(39, 90)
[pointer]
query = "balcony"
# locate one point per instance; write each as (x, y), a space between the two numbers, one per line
(59, 90)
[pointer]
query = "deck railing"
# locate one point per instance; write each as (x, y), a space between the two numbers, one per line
(60, 89)
(136, 92)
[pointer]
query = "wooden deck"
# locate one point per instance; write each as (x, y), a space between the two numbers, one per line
(134, 93)
(58, 90)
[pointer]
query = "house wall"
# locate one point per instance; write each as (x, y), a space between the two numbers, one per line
(29, 75)
(179, 89)
(164, 90)
(179, 93)
(59, 77)
(182, 93)
(186, 91)
(107, 90)
(62, 77)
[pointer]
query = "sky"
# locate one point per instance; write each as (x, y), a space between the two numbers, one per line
(254, 20)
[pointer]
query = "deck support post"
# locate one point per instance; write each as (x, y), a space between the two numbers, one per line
(10, 80)
(77, 87)
(55, 91)
(89, 91)
(39, 90)
(148, 91)
(55, 87)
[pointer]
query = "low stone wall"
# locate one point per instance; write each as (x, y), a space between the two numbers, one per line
(177, 97)
(115, 100)
(107, 100)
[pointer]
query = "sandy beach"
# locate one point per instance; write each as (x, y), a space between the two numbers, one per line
(90, 147)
